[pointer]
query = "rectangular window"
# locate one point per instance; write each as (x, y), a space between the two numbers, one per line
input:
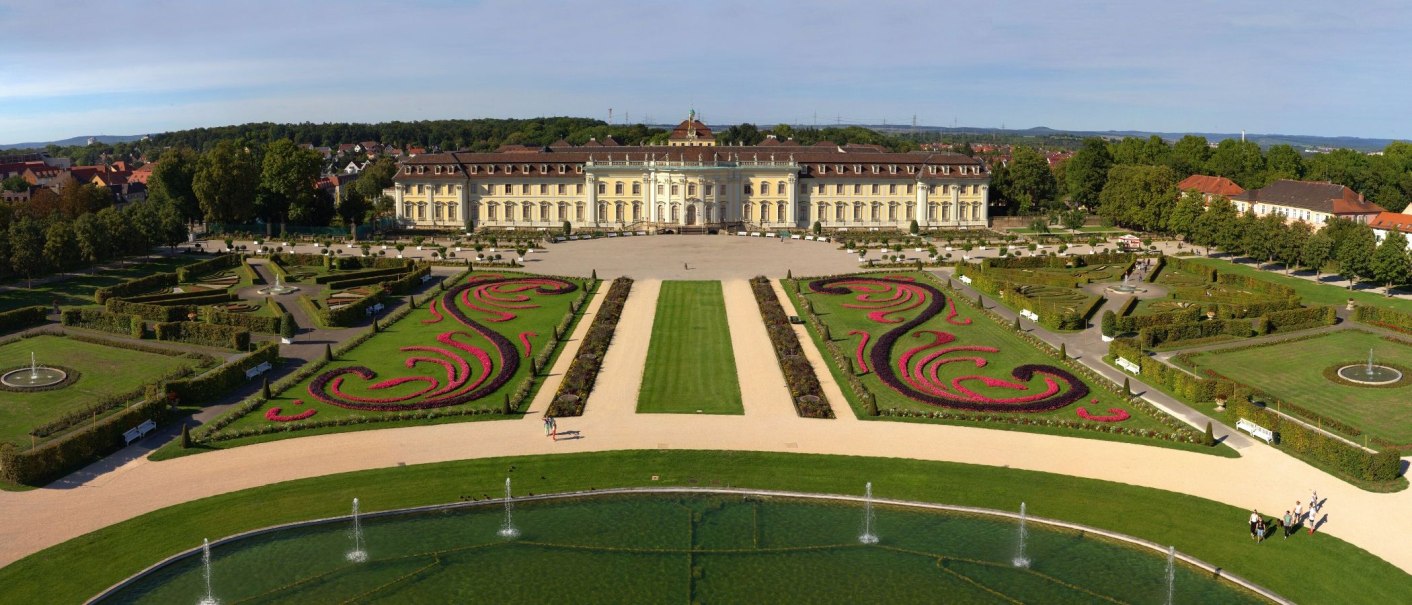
(451, 212)
(838, 189)
(543, 189)
(637, 188)
(691, 188)
(602, 187)
(909, 188)
(578, 189)
(561, 189)
(875, 189)
(675, 189)
(709, 189)
(857, 189)
(892, 188)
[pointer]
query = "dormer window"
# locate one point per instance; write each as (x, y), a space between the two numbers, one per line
(421, 170)
(526, 168)
(436, 170)
(561, 169)
(823, 169)
(931, 169)
(857, 169)
(911, 170)
(406, 170)
(892, 168)
(838, 168)
(474, 168)
(544, 169)
(578, 168)
(875, 168)
(946, 170)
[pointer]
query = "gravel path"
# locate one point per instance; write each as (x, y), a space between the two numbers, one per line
(762, 388)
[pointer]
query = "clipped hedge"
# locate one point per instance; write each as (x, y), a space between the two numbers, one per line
(135, 286)
(1134, 323)
(1170, 334)
(203, 389)
(70, 452)
(150, 312)
(248, 321)
(197, 333)
(221, 262)
(1301, 319)
(1384, 317)
(23, 317)
(804, 389)
(406, 284)
(579, 379)
(1348, 459)
(1205, 272)
(1192, 388)
(338, 277)
(100, 319)
(350, 313)
(198, 297)
(1157, 267)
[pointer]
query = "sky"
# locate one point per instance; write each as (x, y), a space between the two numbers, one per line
(146, 66)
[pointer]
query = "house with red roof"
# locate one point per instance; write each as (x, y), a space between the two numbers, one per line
(1210, 186)
(1387, 222)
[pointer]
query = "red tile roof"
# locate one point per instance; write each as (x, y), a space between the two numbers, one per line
(1210, 185)
(687, 126)
(1311, 195)
(1389, 221)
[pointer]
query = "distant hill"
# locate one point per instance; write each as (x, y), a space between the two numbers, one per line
(102, 138)
(1298, 141)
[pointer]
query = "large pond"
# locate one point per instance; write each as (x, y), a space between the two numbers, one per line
(679, 549)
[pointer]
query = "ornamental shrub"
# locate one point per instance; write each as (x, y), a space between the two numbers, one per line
(23, 317)
(1109, 325)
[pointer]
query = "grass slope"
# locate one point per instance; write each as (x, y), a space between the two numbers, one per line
(1305, 569)
(1299, 378)
(104, 370)
(690, 363)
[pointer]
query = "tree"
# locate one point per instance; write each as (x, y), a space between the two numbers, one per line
(60, 247)
(375, 178)
(225, 182)
(1390, 264)
(1139, 196)
(172, 222)
(1189, 155)
(1027, 182)
(1355, 253)
(1185, 214)
(1210, 227)
(27, 249)
(88, 235)
(78, 199)
(1239, 161)
(1087, 172)
(15, 183)
(172, 180)
(1073, 219)
(287, 177)
(1283, 162)
(1317, 252)
(1291, 246)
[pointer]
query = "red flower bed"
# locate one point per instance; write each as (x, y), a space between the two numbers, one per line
(862, 344)
(1114, 415)
(885, 297)
(436, 316)
(273, 415)
(525, 340)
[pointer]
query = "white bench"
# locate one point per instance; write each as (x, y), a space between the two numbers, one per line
(377, 308)
(1256, 431)
(1128, 365)
(426, 278)
(258, 370)
(138, 432)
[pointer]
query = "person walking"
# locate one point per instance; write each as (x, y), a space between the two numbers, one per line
(1288, 523)
(1313, 511)
(1260, 528)
(553, 428)
(1298, 513)
(548, 422)
(1254, 522)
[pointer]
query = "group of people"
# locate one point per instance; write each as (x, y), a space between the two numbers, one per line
(551, 427)
(1290, 522)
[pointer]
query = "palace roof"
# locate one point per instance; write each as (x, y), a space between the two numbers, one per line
(1317, 196)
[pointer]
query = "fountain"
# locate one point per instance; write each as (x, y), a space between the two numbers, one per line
(1171, 572)
(1125, 287)
(1020, 559)
(33, 377)
(868, 537)
(507, 529)
(358, 554)
(278, 289)
(1369, 373)
(210, 598)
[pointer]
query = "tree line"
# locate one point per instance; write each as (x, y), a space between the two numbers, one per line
(1132, 181)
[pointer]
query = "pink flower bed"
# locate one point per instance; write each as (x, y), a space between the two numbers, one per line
(273, 415)
(1114, 415)
(862, 344)
(525, 340)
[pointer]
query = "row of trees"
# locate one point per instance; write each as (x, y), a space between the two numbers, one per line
(1028, 184)
(1349, 248)
(34, 245)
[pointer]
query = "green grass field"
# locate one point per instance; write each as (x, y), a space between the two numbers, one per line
(690, 362)
(982, 331)
(1298, 377)
(104, 371)
(387, 355)
(1305, 569)
(1312, 293)
(78, 290)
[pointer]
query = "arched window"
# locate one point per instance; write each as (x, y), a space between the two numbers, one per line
(838, 213)
(451, 211)
(892, 211)
(563, 211)
(858, 212)
(407, 210)
(745, 212)
(602, 211)
(421, 211)
(527, 212)
(946, 212)
(578, 212)
(490, 212)
(876, 214)
(675, 211)
(779, 213)
(822, 214)
(911, 211)
(621, 214)
(636, 211)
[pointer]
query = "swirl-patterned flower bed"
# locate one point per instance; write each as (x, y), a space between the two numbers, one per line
(902, 346)
(470, 349)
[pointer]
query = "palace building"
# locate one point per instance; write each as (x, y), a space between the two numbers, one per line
(691, 184)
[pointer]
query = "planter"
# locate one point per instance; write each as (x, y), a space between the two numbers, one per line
(1107, 339)
(1350, 305)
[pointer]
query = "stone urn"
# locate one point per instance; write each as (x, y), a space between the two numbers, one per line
(1350, 305)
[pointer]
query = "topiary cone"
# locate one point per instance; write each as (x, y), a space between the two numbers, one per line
(507, 408)
(328, 353)
(186, 436)
(265, 388)
(1127, 389)
(1063, 352)
(1210, 435)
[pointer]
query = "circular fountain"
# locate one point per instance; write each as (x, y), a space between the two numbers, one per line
(1124, 288)
(1369, 373)
(278, 288)
(33, 377)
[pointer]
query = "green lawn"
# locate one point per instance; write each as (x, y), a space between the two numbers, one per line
(1305, 569)
(1010, 352)
(78, 290)
(103, 371)
(1312, 293)
(1177, 280)
(421, 350)
(1298, 377)
(690, 363)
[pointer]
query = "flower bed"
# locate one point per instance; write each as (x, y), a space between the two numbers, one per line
(583, 370)
(804, 388)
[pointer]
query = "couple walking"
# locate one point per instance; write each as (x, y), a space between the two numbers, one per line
(551, 427)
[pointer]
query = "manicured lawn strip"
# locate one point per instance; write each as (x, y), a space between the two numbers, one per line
(1013, 352)
(104, 371)
(1308, 569)
(78, 290)
(1299, 379)
(381, 353)
(690, 362)
(1312, 293)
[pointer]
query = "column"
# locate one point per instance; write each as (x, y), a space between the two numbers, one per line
(956, 201)
(985, 204)
(792, 215)
(923, 211)
(592, 185)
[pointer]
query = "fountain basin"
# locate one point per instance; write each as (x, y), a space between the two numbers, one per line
(26, 378)
(1377, 375)
(671, 547)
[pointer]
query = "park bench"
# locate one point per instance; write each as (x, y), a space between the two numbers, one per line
(258, 370)
(1256, 431)
(138, 432)
(426, 278)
